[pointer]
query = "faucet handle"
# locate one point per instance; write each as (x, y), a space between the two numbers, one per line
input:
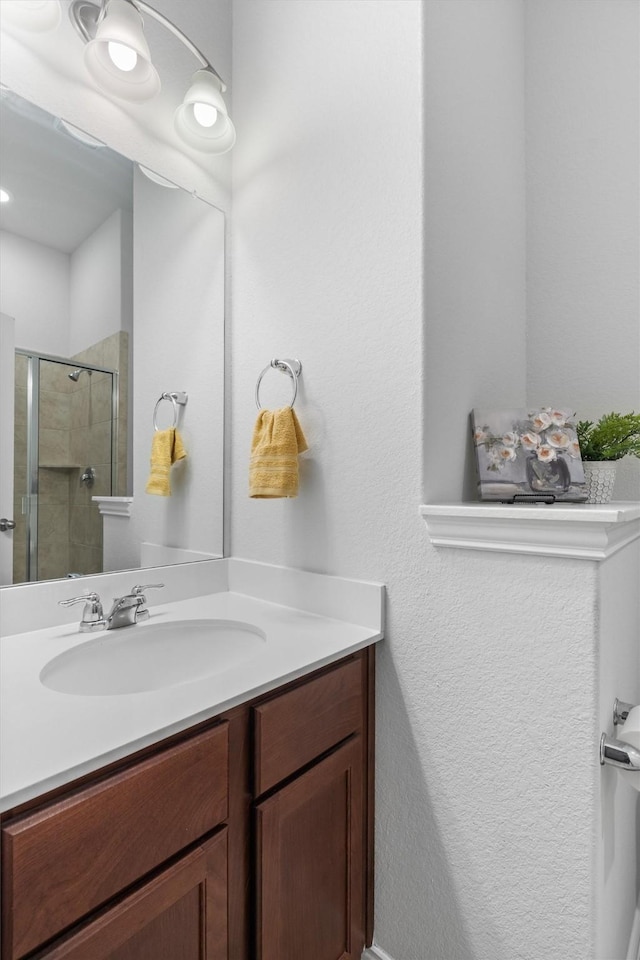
(92, 616)
(138, 591)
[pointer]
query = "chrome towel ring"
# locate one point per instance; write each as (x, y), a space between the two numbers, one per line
(293, 369)
(176, 397)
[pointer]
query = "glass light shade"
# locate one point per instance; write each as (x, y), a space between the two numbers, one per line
(79, 134)
(216, 137)
(32, 14)
(157, 178)
(122, 25)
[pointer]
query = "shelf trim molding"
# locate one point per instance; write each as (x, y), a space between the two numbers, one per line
(576, 531)
(114, 506)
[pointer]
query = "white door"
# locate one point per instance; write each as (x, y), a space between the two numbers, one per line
(7, 368)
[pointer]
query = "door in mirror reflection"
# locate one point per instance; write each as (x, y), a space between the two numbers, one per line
(66, 422)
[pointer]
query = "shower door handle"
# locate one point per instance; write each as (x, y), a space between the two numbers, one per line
(7, 524)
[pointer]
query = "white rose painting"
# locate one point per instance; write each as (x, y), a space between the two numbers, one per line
(528, 455)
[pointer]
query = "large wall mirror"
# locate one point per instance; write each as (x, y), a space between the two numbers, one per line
(111, 294)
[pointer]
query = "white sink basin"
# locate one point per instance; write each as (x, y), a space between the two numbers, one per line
(152, 656)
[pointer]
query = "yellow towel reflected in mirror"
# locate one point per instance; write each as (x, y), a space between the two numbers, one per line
(166, 449)
(277, 441)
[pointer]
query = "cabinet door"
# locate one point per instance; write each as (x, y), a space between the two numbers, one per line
(310, 863)
(179, 915)
(69, 858)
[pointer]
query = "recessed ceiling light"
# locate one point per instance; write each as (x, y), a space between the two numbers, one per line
(5, 196)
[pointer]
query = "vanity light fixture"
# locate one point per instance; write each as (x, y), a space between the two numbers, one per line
(118, 58)
(5, 196)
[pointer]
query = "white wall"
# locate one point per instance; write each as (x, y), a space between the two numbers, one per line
(178, 346)
(491, 664)
(327, 262)
(63, 303)
(98, 273)
(35, 291)
(583, 223)
(474, 216)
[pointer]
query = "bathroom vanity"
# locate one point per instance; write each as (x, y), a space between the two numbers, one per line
(257, 820)
(246, 834)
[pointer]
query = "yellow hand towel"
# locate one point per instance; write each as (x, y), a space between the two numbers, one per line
(166, 448)
(277, 441)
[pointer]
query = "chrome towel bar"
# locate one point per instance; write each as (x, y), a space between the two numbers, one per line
(176, 397)
(293, 369)
(619, 754)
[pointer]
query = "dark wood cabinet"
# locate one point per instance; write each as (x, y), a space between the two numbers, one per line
(71, 856)
(181, 914)
(248, 837)
(309, 863)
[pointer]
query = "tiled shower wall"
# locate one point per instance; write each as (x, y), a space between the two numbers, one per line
(75, 433)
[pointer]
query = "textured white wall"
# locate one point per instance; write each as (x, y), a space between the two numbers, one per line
(96, 277)
(583, 223)
(485, 828)
(35, 291)
(474, 184)
(327, 262)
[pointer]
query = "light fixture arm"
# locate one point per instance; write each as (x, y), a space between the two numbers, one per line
(177, 32)
(87, 14)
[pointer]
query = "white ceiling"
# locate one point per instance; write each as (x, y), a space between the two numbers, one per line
(62, 189)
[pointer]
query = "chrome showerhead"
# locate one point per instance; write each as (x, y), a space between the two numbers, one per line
(75, 374)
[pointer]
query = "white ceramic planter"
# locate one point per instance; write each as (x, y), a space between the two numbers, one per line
(600, 476)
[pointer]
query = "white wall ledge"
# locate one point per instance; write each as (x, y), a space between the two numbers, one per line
(114, 506)
(578, 531)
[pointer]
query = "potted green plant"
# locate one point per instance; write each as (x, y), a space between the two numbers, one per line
(602, 444)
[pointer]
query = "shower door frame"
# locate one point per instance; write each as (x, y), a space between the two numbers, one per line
(33, 433)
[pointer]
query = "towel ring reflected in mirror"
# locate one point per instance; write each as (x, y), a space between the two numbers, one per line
(177, 397)
(293, 369)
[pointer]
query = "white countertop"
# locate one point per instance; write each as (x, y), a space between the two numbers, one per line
(49, 738)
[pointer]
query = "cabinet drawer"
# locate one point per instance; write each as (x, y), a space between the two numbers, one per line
(181, 912)
(73, 855)
(294, 728)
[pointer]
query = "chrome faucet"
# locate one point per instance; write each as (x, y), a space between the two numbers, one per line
(125, 612)
(92, 615)
(132, 608)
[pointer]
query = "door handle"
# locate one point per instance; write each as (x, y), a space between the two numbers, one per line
(7, 524)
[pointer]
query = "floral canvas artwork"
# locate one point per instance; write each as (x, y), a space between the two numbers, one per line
(528, 455)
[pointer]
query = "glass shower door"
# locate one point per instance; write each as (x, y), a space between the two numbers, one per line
(69, 444)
